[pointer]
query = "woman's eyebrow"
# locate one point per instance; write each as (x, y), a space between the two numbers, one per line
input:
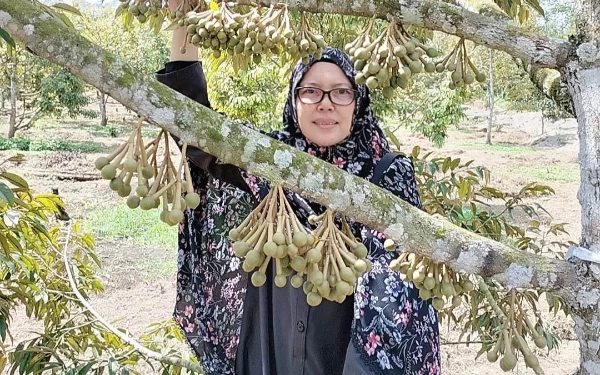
(334, 85)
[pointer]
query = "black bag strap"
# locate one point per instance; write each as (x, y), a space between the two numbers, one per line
(383, 166)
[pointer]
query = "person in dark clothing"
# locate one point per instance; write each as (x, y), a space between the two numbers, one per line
(236, 328)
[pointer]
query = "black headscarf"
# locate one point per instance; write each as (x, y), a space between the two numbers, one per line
(365, 145)
(357, 154)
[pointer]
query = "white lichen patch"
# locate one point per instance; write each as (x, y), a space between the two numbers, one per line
(338, 200)
(4, 18)
(588, 298)
(359, 194)
(359, 5)
(252, 145)
(50, 49)
(587, 52)
(395, 231)
(591, 367)
(282, 159)
(441, 252)
(312, 182)
(163, 115)
(518, 276)
(546, 279)
(595, 269)
(472, 259)
(28, 29)
(92, 73)
(225, 129)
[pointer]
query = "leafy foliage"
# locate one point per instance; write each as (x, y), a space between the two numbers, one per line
(61, 94)
(256, 96)
(461, 193)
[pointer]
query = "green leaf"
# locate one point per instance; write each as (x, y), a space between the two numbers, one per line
(65, 20)
(68, 8)
(4, 35)
(15, 179)
(6, 194)
(454, 163)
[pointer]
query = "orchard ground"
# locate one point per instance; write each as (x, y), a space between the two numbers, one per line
(138, 252)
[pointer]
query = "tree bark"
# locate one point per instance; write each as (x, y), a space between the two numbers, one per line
(552, 84)
(412, 229)
(491, 100)
(583, 79)
(12, 118)
(502, 35)
(102, 105)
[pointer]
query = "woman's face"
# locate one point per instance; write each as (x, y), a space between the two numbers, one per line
(325, 123)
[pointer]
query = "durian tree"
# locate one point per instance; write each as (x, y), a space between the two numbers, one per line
(392, 48)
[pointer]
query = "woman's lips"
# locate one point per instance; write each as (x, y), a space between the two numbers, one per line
(325, 123)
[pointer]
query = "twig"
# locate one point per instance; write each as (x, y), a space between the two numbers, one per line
(488, 295)
(461, 342)
(124, 337)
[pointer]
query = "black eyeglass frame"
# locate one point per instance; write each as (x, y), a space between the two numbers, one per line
(328, 93)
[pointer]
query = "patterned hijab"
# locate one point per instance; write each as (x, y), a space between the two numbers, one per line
(357, 154)
(365, 145)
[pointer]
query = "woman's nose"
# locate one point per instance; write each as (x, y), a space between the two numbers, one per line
(325, 104)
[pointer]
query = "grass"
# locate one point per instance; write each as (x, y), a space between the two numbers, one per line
(45, 144)
(553, 173)
(510, 148)
(160, 268)
(137, 226)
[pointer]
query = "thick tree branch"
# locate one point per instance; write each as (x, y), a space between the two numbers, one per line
(317, 180)
(551, 83)
(537, 50)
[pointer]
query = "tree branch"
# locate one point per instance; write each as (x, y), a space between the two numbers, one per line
(412, 229)
(502, 35)
(550, 83)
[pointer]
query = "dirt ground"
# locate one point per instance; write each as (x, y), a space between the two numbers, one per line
(133, 300)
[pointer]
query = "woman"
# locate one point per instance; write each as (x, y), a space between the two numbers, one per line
(236, 328)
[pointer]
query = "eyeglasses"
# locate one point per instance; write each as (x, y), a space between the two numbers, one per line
(313, 95)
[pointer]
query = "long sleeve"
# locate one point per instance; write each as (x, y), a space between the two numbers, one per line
(188, 78)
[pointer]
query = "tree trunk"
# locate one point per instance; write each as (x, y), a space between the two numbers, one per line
(491, 98)
(12, 118)
(102, 104)
(583, 80)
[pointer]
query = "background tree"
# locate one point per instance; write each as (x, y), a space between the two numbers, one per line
(143, 49)
(38, 88)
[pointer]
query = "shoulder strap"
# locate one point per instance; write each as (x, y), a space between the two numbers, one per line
(382, 166)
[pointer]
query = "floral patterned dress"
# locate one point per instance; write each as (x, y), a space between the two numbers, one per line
(392, 330)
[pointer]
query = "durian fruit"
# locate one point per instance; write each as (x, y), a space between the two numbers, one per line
(463, 71)
(273, 232)
(326, 263)
(336, 262)
(391, 59)
(435, 281)
(511, 338)
(155, 180)
(249, 37)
